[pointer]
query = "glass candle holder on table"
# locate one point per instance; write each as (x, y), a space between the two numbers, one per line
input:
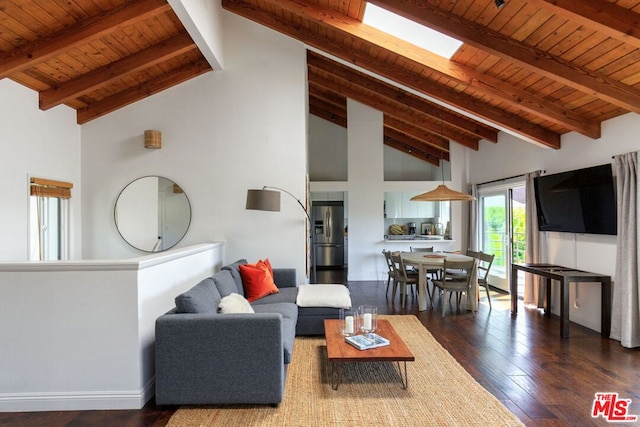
(348, 321)
(368, 318)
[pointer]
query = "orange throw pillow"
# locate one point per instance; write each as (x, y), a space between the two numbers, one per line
(257, 280)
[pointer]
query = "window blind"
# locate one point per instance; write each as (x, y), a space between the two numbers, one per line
(49, 188)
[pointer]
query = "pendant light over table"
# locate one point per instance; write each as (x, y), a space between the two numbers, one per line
(442, 193)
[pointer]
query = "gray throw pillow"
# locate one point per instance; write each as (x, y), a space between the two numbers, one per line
(202, 298)
(234, 269)
(225, 283)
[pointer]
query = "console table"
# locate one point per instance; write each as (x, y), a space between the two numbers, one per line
(564, 275)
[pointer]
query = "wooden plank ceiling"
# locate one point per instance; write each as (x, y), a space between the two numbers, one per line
(95, 55)
(534, 68)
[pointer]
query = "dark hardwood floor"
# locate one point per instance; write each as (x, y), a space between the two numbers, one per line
(522, 361)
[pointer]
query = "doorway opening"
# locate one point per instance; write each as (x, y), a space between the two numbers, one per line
(502, 219)
(329, 217)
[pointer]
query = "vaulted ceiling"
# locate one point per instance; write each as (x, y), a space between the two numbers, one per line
(534, 68)
(95, 55)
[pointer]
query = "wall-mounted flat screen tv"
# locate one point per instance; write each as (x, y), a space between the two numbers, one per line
(578, 201)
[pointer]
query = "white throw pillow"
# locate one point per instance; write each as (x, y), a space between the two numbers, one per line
(235, 303)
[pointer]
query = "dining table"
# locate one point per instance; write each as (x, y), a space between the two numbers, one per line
(430, 260)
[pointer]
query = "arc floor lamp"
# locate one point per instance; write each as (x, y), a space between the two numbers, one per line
(266, 199)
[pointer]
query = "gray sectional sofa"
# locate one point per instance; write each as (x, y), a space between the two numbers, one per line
(205, 357)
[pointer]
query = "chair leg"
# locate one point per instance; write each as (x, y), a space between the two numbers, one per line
(443, 295)
(426, 285)
(388, 283)
(403, 294)
(486, 288)
(432, 295)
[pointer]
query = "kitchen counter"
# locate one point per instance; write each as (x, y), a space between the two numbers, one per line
(413, 237)
(409, 240)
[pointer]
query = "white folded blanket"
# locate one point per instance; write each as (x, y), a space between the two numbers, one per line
(337, 296)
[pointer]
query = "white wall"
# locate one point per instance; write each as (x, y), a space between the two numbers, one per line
(327, 150)
(45, 144)
(223, 133)
(400, 166)
(511, 156)
(80, 334)
(365, 135)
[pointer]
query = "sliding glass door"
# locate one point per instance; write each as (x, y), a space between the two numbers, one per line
(501, 225)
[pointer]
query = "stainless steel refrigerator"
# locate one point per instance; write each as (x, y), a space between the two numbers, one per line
(328, 234)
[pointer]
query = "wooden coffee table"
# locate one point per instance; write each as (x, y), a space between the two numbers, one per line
(340, 352)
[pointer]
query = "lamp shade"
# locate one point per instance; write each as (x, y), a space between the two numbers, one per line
(441, 194)
(263, 200)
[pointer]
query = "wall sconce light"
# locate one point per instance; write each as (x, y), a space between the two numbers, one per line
(152, 139)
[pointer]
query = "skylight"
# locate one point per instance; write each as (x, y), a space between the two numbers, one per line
(410, 31)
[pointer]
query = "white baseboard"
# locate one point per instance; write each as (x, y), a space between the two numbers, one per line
(76, 401)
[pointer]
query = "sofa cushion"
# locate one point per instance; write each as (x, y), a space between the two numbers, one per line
(257, 280)
(289, 314)
(235, 303)
(235, 273)
(285, 295)
(323, 296)
(202, 298)
(225, 283)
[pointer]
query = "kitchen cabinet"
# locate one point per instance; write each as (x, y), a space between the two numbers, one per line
(399, 205)
(426, 209)
(393, 204)
(409, 208)
(324, 196)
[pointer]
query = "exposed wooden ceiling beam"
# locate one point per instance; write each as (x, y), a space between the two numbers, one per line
(327, 110)
(440, 144)
(606, 18)
(327, 95)
(41, 50)
(412, 77)
(491, 86)
(327, 105)
(148, 88)
(405, 144)
(483, 38)
(331, 102)
(518, 98)
(410, 100)
(327, 115)
(88, 82)
(336, 102)
(389, 106)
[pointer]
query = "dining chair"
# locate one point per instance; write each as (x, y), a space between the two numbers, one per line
(456, 278)
(391, 271)
(404, 278)
(413, 249)
(429, 249)
(485, 261)
(432, 273)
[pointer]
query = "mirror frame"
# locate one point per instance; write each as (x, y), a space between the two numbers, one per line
(151, 250)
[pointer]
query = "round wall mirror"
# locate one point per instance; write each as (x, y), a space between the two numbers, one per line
(152, 214)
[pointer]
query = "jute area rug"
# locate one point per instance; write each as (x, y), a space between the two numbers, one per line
(440, 393)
